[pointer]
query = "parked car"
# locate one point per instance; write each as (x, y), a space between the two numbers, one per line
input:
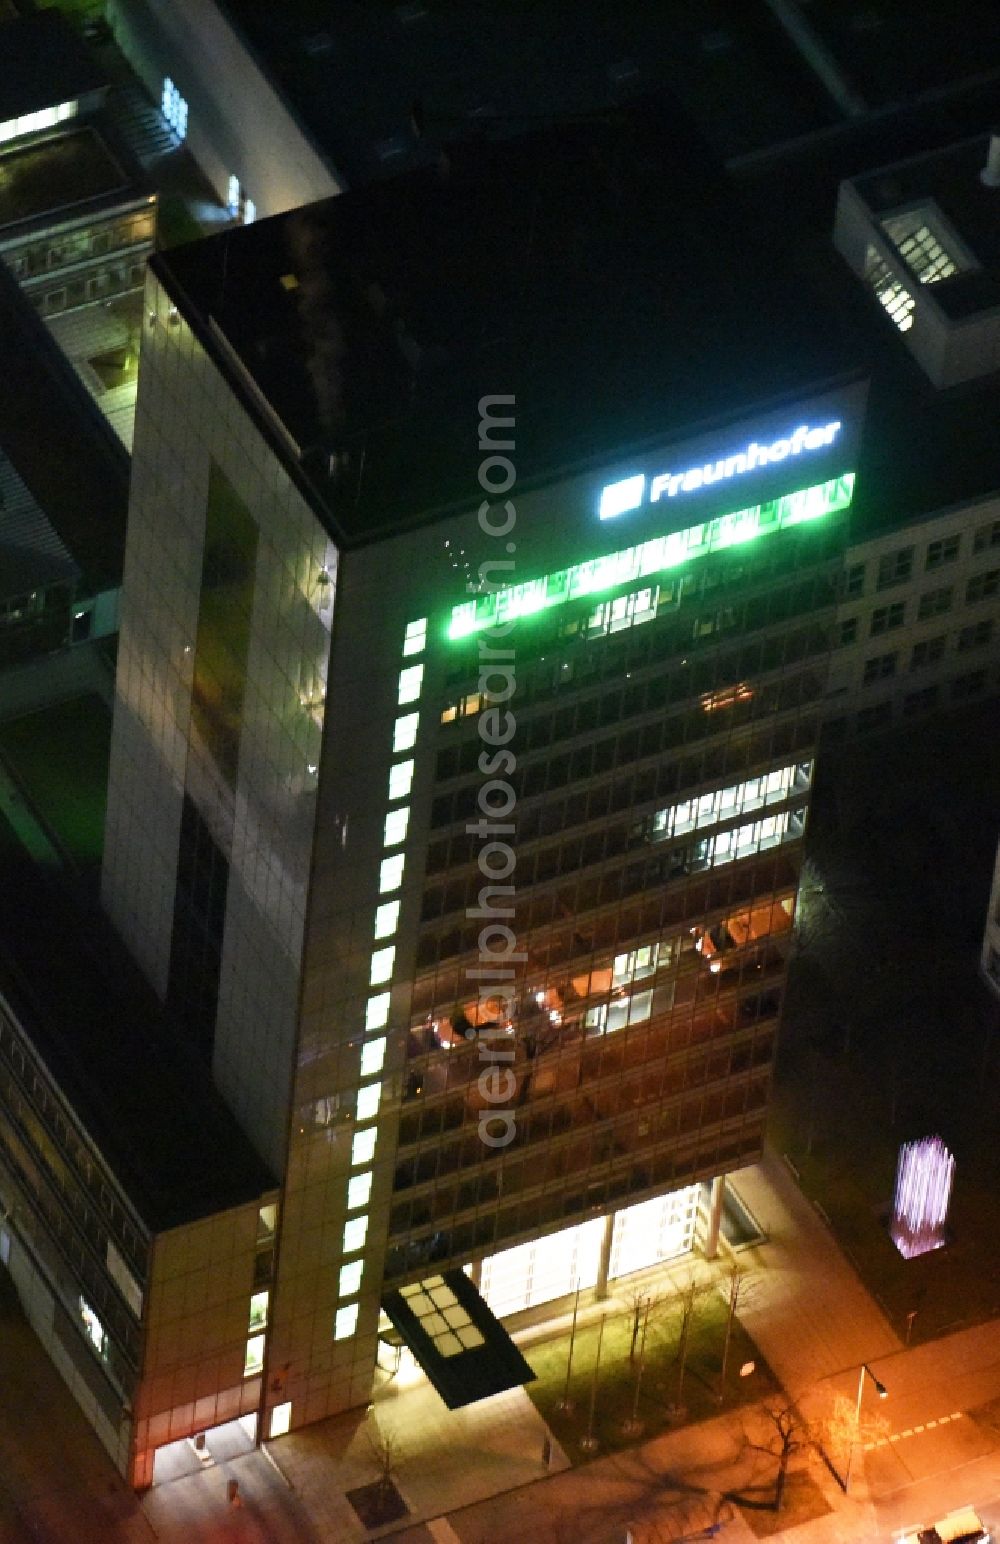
(962, 1527)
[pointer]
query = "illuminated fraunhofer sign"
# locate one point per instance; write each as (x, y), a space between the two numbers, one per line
(618, 498)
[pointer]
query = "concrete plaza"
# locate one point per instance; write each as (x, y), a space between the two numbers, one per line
(486, 1475)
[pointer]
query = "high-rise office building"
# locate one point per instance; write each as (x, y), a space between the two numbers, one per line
(475, 630)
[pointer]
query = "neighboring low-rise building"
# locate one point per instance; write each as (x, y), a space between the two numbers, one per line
(136, 1222)
(918, 624)
(77, 213)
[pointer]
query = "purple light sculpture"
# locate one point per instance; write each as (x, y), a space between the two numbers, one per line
(924, 1178)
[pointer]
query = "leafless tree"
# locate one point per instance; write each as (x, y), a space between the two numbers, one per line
(788, 1434)
(640, 1302)
(385, 1449)
(737, 1286)
(686, 1299)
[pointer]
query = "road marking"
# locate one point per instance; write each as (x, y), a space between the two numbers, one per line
(912, 1431)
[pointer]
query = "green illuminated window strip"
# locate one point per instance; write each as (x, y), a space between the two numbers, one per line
(650, 557)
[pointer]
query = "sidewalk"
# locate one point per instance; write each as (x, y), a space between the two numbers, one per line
(808, 1312)
(480, 1476)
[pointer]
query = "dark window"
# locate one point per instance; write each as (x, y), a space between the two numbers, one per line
(968, 685)
(854, 581)
(878, 716)
(982, 585)
(894, 568)
(223, 636)
(927, 652)
(920, 702)
(884, 618)
(933, 603)
(878, 668)
(987, 536)
(848, 630)
(975, 636)
(196, 940)
(943, 551)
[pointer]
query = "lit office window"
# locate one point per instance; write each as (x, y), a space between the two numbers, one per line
(891, 292)
(382, 963)
(721, 803)
(346, 1322)
(396, 823)
(377, 1011)
(359, 1188)
(607, 1017)
(400, 779)
(634, 965)
(613, 616)
(281, 1418)
(254, 1360)
(363, 1147)
(928, 250)
(369, 1099)
(410, 681)
(372, 1057)
(350, 1278)
(404, 732)
(386, 919)
(96, 1333)
(495, 607)
(34, 123)
(355, 1229)
(416, 637)
(390, 874)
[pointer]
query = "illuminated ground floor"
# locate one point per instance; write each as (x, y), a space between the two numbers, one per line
(533, 1282)
(590, 1254)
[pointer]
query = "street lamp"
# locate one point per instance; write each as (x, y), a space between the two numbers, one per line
(883, 1393)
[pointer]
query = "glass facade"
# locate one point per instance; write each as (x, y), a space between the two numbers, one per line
(653, 794)
(296, 818)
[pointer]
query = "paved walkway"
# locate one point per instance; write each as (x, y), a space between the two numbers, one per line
(807, 1311)
(480, 1476)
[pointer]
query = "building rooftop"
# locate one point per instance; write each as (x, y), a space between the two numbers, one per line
(148, 1106)
(922, 449)
(354, 74)
(49, 176)
(43, 63)
(604, 272)
(946, 183)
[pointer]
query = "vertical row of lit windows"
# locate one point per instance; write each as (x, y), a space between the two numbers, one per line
(174, 108)
(381, 966)
(254, 1360)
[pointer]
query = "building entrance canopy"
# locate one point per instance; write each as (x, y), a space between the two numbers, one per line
(464, 1350)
